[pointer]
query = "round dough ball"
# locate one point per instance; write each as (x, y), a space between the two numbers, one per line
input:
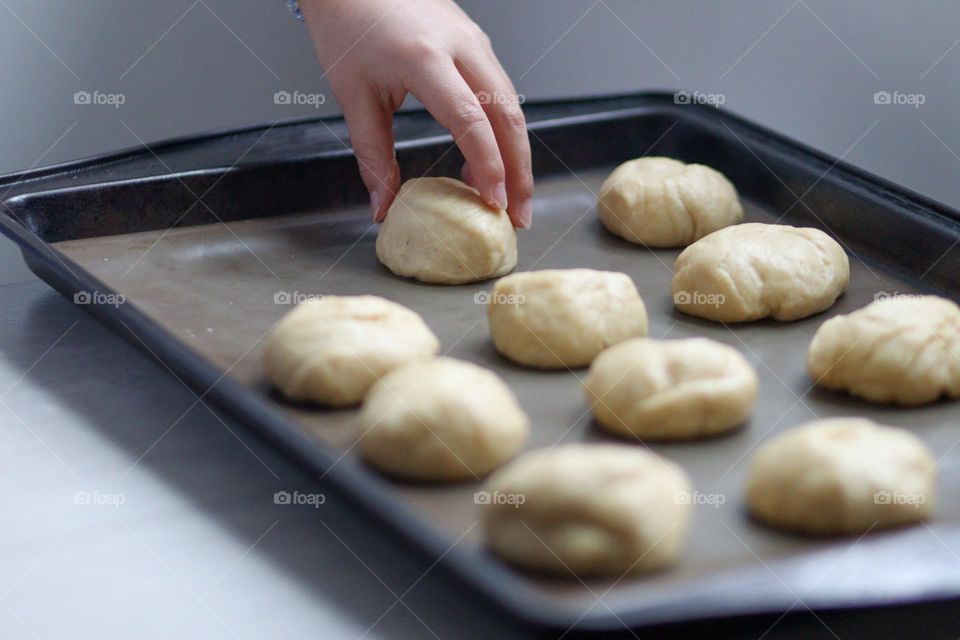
(904, 350)
(670, 389)
(443, 419)
(754, 271)
(332, 349)
(841, 476)
(439, 230)
(587, 508)
(662, 202)
(558, 318)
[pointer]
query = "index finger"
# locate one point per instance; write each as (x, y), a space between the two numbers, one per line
(449, 99)
(502, 105)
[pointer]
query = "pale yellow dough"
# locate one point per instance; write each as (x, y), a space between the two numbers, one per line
(442, 419)
(439, 230)
(588, 509)
(331, 350)
(670, 389)
(560, 318)
(752, 271)
(662, 202)
(903, 350)
(841, 476)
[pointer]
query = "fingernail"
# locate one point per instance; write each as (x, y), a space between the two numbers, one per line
(526, 214)
(375, 201)
(500, 195)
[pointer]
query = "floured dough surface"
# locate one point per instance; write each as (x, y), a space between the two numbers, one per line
(439, 230)
(559, 318)
(588, 509)
(903, 350)
(662, 202)
(841, 476)
(752, 271)
(442, 419)
(670, 389)
(329, 351)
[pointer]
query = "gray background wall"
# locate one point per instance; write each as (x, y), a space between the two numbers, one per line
(808, 68)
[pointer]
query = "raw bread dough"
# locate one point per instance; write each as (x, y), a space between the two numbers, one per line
(560, 318)
(840, 476)
(443, 419)
(904, 350)
(662, 202)
(331, 350)
(589, 509)
(670, 389)
(753, 271)
(439, 230)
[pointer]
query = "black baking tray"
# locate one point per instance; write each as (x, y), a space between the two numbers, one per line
(301, 166)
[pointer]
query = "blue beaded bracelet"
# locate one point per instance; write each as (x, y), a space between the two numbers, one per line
(296, 9)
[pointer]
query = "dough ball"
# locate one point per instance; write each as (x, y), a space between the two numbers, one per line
(439, 230)
(903, 350)
(754, 271)
(560, 318)
(587, 508)
(841, 476)
(331, 350)
(670, 389)
(661, 202)
(443, 419)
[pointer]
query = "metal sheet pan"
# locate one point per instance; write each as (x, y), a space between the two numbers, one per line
(288, 223)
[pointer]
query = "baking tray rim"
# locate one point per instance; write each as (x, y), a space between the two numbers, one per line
(494, 582)
(16, 183)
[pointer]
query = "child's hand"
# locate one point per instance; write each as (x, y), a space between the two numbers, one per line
(376, 51)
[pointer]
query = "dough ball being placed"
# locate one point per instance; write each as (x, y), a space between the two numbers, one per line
(662, 202)
(841, 476)
(439, 230)
(754, 271)
(903, 350)
(443, 419)
(560, 318)
(331, 350)
(588, 508)
(670, 389)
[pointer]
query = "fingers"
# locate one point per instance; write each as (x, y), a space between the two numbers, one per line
(447, 97)
(371, 134)
(502, 106)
